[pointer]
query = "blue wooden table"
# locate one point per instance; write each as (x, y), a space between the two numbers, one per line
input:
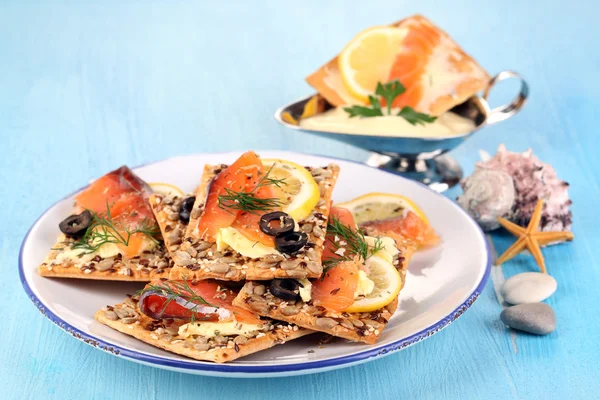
(86, 88)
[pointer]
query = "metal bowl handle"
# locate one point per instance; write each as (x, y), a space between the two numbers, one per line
(506, 111)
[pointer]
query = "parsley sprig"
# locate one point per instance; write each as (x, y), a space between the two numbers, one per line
(389, 91)
(104, 229)
(249, 201)
(356, 244)
(175, 290)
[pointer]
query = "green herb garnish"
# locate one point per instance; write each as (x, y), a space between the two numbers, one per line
(414, 117)
(362, 111)
(177, 289)
(356, 244)
(104, 229)
(389, 91)
(248, 201)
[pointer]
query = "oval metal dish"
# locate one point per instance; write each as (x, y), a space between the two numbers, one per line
(422, 159)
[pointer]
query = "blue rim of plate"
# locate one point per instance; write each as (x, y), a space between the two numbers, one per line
(348, 360)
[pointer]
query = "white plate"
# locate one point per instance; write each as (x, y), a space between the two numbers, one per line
(441, 283)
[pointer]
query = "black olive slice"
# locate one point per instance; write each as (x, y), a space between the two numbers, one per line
(76, 225)
(233, 285)
(186, 208)
(276, 223)
(184, 216)
(291, 242)
(187, 204)
(284, 289)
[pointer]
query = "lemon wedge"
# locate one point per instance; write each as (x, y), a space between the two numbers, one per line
(368, 59)
(388, 283)
(299, 192)
(378, 206)
(166, 189)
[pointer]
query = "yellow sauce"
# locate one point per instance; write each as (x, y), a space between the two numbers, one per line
(231, 237)
(365, 285)
(212, 329)
(106, 250)
(337, 120)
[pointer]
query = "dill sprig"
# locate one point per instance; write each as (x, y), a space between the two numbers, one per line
(248, 201)
(175, 290)
(104, 229)
(355, 243)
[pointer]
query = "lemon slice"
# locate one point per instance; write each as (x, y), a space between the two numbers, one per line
(166, 189)
(368, 58)
(378, 206)
(298, 192)
(388, 283)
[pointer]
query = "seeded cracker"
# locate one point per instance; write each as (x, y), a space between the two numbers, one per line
(361, 327)
(127, 318)
(166, 211)
(150, 265)
(143, 268)
(209, 263)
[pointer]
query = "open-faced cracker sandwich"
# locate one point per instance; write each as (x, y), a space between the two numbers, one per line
(257, 220)
(196, 319)
(111, 235)
(434, 70)
(357, 294)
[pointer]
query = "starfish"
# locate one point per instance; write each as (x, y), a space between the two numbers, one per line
(531, 237)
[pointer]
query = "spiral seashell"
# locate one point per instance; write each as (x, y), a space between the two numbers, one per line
(488, 194)
(532, 180)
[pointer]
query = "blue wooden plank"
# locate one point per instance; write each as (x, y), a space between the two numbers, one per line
(87, 87)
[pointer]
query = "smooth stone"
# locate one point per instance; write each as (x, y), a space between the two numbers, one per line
(528, 287)
(536, 318)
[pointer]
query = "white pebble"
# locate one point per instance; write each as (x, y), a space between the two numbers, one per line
(528, 287)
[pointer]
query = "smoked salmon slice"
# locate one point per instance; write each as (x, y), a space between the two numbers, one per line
(192, 300)
(335, 289)
(123, 196)
(108, 189)
(130, 209)
(243, 176)
(411, 62)
(436, 72)
(248, 224)
(345, 217)
(409, 226)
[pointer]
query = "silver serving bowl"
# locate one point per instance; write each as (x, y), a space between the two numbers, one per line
(422, 159)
